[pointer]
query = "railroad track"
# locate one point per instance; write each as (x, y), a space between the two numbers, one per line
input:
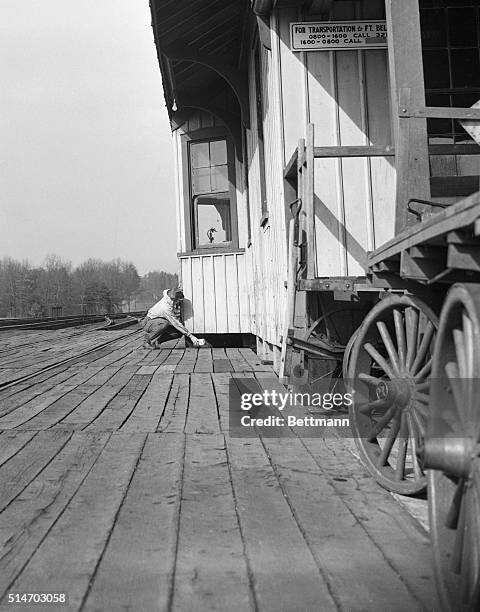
(60, 322)
(61, 362)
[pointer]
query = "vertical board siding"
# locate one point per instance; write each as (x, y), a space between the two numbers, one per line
(197, 297)
(351, 126)
(209, 309)
(216, 288)
(324, 115)
(266, 260)
(347, 101)
(292, 83)
(243, 301)
(232, 294)
(382, 169)
(186, 283)
(221, 307)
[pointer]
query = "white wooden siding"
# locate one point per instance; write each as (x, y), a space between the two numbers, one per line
(347, 100)
(267, 257)
(216, 293)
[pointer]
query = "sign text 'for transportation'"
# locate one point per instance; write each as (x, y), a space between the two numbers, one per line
(333, 35)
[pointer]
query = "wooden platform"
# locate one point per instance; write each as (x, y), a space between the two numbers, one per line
(121, 486)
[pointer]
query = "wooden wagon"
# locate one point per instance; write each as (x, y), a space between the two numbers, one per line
(411, 359)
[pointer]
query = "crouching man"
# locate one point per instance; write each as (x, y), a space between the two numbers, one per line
(162, 322)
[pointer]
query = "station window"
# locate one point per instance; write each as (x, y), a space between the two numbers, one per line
(212, 194)
(451, 59)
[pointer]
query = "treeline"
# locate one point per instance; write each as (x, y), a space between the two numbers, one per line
(94, 287)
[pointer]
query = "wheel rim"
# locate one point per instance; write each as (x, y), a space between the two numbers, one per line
(451, 448)
(388, 368)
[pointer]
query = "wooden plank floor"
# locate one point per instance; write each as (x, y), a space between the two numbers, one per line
(121, 486)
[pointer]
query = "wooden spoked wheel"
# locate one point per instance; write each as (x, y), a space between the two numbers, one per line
(452, 451)
(388, 369)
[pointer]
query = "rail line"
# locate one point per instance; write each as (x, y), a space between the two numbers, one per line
(52, 366)
(61, 322)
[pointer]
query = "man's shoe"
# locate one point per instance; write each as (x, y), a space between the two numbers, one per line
(147, 345)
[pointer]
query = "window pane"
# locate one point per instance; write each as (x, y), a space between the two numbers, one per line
(436, 69)
(201, 180)
(200, 155)
(213, 221)
(219, 178)
(434, 32)
(465, 68)
(218, 152)
(462, 27)
(434, 3)
(461, 2)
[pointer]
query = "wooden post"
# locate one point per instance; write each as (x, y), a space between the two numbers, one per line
(407, 90)
(309, 202)
(290, 301)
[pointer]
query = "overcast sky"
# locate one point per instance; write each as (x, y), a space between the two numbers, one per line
(85, 148)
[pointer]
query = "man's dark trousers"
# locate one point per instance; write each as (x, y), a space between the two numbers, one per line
(160, 330)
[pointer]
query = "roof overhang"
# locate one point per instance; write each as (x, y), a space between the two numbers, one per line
(202, 47)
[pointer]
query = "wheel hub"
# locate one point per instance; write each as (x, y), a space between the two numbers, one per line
(452, 455)
(397, 392)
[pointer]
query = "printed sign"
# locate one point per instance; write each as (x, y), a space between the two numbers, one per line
(335, 35)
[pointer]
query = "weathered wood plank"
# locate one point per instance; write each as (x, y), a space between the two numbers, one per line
(22, 393)
(407, 88)
(222, 385)
(238, 361)
(222, 365)
(187, 362)
(255, 361)
(149, 409)
(202, 416)
(26, 522)
(66, 560)
(272, 535)
(208, 522)
(370, 507)
(29, 410)
(456, 216)
(87, 411)
(354, 151)
(330, 526)
(61, 408)
(22, 468)
(136, 570)
(204, 361)
(11, 443)
(122, 405)
(171, 361)
(147, 370)
(404, 545)
(175, 413)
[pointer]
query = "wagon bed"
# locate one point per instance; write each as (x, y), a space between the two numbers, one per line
(442, 248)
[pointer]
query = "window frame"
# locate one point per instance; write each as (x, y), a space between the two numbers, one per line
(455, 134)
(259, 116)
(190, 229)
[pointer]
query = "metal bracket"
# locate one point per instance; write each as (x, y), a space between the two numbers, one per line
(423, 214)
(295, 208)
